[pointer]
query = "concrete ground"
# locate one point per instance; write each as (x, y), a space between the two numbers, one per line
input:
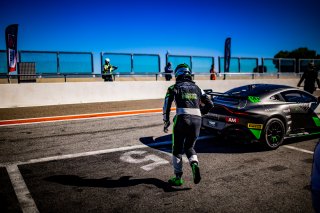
(122, 164)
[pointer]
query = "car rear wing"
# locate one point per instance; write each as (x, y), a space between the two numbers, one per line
(211, 93)
(253, 99)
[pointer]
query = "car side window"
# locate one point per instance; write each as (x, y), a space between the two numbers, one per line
(297, 97)
(276, 98)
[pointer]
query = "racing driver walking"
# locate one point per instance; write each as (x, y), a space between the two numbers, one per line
(187, 122)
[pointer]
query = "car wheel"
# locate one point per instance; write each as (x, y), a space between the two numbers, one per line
(273, 133)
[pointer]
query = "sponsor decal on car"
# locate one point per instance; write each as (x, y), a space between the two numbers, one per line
(255, 129)
(255, 126)
(212, 123)
(254, 99)
(316, 121)
(232, 120)
(305, 107)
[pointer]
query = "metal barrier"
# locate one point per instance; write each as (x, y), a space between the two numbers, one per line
(44, 75)
(303, 64)
(3, 62)
(50, 62)
(198, 64)
(239, 64)
(132, 63)
(78, 75)
(157, 76)
(279, 65)
(129, 64)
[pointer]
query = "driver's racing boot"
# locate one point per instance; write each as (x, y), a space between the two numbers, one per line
(195, 172)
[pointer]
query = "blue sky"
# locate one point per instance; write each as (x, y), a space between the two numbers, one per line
(259, 28)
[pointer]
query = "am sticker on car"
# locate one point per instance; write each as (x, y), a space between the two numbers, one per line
(232, 120)
(255, 126)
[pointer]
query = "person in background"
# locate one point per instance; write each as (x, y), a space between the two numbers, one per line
(168, 71)
(315, 179)
(107, 70)
(213, 74)
(310, 77)
(187, 122)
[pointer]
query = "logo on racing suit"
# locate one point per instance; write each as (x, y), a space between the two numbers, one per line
(189, 96)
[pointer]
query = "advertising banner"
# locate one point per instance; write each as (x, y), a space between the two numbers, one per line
(11, 36)
(227, 54)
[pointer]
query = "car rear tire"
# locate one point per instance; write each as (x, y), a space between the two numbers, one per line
(273, 133)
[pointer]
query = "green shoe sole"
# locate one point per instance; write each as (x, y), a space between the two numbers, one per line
(176, 181)
(196, 173)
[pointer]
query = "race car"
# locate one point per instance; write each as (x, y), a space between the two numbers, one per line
(265, 113)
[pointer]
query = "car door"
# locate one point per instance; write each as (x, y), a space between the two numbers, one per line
(301, 105)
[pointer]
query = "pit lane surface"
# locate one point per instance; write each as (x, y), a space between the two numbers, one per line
(122, 164)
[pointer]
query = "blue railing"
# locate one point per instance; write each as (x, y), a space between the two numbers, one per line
(77, 63)
(49, 62)
(132, 63)
(198, 64)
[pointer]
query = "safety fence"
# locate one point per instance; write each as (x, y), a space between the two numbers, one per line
(3, 61)
(267, 65)
(133, 63)
(50, 62)
(198, 64)
(61, 64)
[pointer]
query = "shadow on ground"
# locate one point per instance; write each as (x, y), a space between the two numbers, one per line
(206, 145)
(218, 145)
(124, 181)
(300, 139)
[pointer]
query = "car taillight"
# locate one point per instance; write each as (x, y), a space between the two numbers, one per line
(234, 112)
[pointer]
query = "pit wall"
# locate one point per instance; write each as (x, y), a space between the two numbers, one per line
(35, 94)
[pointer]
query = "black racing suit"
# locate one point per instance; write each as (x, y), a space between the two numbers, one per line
(187, 122)
(311, 77)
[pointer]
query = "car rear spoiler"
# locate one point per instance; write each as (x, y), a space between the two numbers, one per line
(252, 99)
(211, 93)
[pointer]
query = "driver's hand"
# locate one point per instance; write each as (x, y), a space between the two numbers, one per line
(166, 126)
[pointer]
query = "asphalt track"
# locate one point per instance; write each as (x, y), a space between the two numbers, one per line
(121, 163)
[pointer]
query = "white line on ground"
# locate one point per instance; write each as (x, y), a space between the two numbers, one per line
(83, 154)
(25, 199)
(23, 194)
(98, 152)
(298, 149)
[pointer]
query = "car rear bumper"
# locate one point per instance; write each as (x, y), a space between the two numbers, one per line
(239, 131)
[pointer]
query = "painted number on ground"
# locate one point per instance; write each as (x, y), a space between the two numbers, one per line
(141, 157)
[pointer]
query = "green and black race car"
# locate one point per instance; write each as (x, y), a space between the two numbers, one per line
(265, 113)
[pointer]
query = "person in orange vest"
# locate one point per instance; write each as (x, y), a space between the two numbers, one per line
(213, 74)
